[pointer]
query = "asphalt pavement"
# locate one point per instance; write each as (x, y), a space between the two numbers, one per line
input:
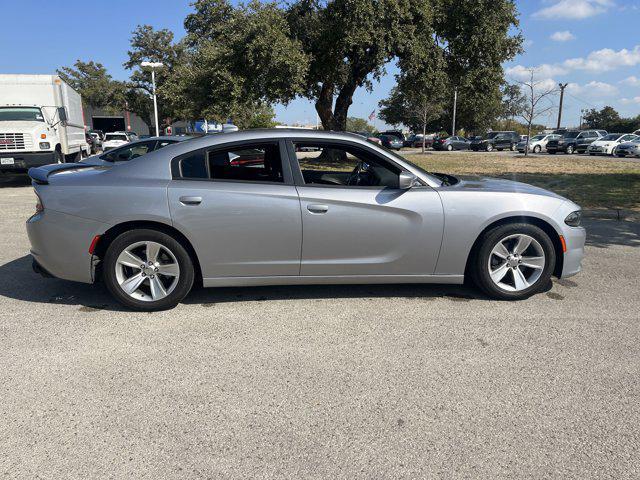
(410, 381)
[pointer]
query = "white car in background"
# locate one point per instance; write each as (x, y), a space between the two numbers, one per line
(537, 142)
(607, 144)
(114, 140)
(628, 149)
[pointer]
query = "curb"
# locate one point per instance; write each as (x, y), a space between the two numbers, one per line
(612, 214)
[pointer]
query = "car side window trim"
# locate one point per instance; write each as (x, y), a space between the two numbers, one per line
(287, 177)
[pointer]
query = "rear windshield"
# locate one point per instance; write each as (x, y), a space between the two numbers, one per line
(29, 114)
(571, 134)
(111, 136)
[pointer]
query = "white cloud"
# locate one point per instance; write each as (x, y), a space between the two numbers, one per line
(544, 71)
(629, 101)
(605, 60)
(574, 9)
(632, 81)
(563, 36)
(593, 89)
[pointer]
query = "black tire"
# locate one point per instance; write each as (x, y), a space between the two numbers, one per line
(569, 150)
(513, 147)
(481, 257)
(58, 157)
(185, 279)
(449, 148)
(537, 149)
(489, 147)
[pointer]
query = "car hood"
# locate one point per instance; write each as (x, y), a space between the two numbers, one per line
(489, 184)
(602, 143)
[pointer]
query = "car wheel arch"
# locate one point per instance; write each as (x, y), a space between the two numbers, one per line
(542, 224)
(113, 232)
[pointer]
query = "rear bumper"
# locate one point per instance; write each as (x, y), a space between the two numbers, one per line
(60, 244)
(24, 161)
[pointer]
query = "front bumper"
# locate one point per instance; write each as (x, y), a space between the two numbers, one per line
(574, 238)
(24, 161)
(60, 244)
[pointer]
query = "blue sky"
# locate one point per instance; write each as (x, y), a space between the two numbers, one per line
(594, 45)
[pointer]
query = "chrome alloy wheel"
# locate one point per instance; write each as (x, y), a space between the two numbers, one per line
(147, 271)
(516, 262)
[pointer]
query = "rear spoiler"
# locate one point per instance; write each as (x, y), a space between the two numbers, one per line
(40, 175)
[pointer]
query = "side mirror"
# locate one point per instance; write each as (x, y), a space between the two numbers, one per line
(62, 115)
(407, 180)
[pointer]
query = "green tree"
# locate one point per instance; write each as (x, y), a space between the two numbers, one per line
(326, 50)
(95, 85)
(514, 103)
(355, 124)
(148, 44)
(237, 59)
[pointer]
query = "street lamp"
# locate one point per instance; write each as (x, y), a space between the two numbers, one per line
(153, 66)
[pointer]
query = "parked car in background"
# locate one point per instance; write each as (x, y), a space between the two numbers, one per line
(606, 145)
(97, 142)
(132, 150)
(114, 140)
(133, 136)
(391, 142)
(93, 148)
(574, 141)
(451, 143)
(537, 142)
(369, 136)
(628, 149)
(395, 133)
(195, 213)
(496, 141)
(591, 136)
(419, 139)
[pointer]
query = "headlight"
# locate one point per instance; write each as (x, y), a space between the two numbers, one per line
(574, 219)
(45, 145)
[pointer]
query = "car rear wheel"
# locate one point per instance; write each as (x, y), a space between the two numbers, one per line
(449, 148)
(569, 150)
(514, 261)
(537, 149)
(148, 270)
(513, 147)
(489, 147)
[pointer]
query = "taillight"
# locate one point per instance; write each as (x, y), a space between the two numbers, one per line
(39, 205)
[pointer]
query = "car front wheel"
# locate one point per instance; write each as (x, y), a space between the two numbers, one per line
(569, 150)
(514, 261)
(537, 149)
(449, 148)
(489, 147)
(148, 270)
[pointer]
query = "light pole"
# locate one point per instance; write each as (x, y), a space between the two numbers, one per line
(153, 66)
(455, 107)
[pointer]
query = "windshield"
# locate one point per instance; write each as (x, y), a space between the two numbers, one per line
(571, 134)
(611, 136)
(27, 114)
(111, 136)
(537, 137)
(491, 135)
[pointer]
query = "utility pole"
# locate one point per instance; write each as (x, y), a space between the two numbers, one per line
(455, 106)
(562, 87)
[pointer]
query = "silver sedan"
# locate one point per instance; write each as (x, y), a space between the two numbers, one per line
(275, 207)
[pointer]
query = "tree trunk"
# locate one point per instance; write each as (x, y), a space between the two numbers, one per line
(335, 118)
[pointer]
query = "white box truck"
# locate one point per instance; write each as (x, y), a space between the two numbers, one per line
(41, 122)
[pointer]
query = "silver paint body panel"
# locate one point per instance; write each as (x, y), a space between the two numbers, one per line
(248, 233)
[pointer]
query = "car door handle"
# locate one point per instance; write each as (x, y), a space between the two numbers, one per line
(190, 200)
(316, 208)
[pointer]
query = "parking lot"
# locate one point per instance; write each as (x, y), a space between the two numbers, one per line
(321, 382)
